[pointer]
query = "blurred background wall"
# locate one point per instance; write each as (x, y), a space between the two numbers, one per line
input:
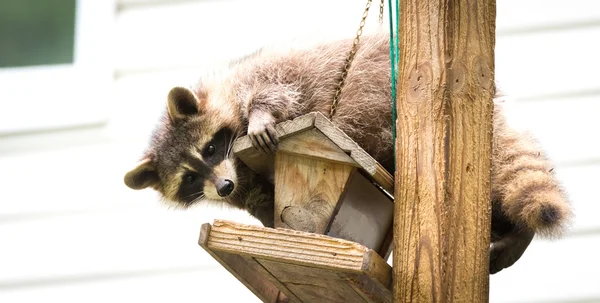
(70, 231)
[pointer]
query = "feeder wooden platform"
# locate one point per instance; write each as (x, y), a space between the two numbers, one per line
(281, 265)
(333, 217)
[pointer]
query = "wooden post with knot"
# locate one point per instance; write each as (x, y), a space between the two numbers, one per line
(443, 161)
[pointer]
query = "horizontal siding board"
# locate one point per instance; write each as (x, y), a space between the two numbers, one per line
(144, 96)
(72, 177)
(534, 66)
(101, 243)
(174, 285)
(517, 16)
(565, 128)
(81, 181)
(512, 15)
(551, 271)
(580, 185)
(194, 33)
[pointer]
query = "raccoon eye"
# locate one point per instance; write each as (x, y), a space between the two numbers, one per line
(189, 178)
(210, 150)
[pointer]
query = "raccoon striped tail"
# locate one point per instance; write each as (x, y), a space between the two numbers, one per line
(525, 186)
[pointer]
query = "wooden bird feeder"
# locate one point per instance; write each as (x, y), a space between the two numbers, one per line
(333, 220)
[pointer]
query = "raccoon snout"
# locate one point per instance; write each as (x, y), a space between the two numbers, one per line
(224, 187)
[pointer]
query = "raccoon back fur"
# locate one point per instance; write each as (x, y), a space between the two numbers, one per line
(189, 157)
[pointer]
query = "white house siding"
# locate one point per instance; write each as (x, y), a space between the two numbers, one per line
(71, 231)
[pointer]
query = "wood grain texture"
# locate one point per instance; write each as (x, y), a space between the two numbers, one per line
(258, 161)
(383, 178)
(345, 143)
(352, 153)
(371, 291)
(296, 247)
(364, 160)
(313, 284)
(306, 267)
(314, 144)
(442, 215)
(284, 129)
(249, 272)
(307, 191)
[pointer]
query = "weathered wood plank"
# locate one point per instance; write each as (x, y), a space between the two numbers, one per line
(371, 291)
(383, 178)
(305, 266)
(351, 152)
(346, 143)
(307, 191)
(260, 162)
(284, 129)
(298, 247)
(245, 270)
(366, 162)
(313, 284)
(314, 144)
(442, 214)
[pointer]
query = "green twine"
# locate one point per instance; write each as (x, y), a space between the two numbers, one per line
(394, 59)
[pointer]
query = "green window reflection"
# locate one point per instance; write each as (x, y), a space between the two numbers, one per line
(36, 32)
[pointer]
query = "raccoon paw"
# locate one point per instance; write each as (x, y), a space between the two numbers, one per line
(262, 133)
(506, 251)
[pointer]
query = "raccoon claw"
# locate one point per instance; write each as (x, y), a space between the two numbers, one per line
(272, 134)
(506, 251)
(263, 136)
(264, 142)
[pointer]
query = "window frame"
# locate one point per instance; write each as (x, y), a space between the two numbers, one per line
(45, 97)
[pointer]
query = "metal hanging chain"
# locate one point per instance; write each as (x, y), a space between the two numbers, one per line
(352, 53)
(381, 12)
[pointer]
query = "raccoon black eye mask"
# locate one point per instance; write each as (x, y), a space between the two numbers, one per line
(189, 190)
(213, 153)
(219, 147)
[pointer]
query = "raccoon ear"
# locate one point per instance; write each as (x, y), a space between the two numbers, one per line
(142, 176)
(182, 103)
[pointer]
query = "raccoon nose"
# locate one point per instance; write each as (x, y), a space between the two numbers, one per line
(224, 187)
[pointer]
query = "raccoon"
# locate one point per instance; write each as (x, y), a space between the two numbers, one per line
(189, 157)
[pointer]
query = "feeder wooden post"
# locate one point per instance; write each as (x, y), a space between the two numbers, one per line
(444, 133)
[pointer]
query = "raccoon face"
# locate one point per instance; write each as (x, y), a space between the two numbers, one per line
(189, 158)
